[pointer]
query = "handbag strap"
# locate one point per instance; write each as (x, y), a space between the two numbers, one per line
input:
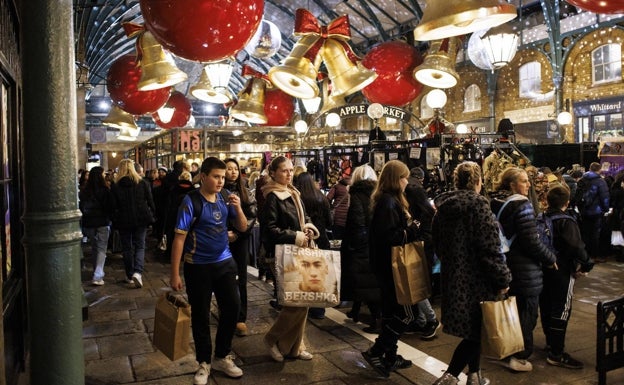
(341, 199)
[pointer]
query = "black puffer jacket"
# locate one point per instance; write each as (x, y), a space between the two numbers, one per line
(596, 183)
(358, 281)
(132, 204)
(527, 255)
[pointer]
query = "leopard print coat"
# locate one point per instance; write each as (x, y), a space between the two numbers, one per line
(466, 241)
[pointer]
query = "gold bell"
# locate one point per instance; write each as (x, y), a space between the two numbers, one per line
(129, 134)
(329, 100)
(438, 68)
(158, 70)
(203, 90)
(442, 19)
(250, 105)
(346, 76)
(297, 75)
(119, 118)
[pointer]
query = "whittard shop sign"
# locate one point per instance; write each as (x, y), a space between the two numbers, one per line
(352, 110)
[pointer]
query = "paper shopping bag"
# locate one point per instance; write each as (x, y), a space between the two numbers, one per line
(412, 281)
(501, 334)
(172, 326)
(307, 276)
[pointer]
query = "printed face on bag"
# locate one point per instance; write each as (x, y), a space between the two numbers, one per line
(314, 270)
(307, 276)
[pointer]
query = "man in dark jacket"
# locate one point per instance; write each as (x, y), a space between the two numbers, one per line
(592, 200)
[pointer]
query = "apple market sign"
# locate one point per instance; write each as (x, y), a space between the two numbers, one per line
(352, 110)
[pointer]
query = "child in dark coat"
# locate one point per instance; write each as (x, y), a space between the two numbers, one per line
(556, 297)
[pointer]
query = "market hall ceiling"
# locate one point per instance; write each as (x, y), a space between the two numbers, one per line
(101, 39)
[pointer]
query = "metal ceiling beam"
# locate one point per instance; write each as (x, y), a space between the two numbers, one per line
(375, 21)
(415, 7)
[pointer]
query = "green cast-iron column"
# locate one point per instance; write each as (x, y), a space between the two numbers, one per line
(51, 219)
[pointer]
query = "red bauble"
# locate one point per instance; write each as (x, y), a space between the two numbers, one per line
(203, 30)
(181, 111)
(394, 62)
(607, 6)
(278, 107)
(121, 82)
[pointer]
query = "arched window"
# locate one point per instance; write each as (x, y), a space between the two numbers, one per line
(607, 63)
(426, 112)
(530, 80)
(472, 98)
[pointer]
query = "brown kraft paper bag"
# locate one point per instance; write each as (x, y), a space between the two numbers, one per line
(410, 271)
(172, 326)
(501, 335)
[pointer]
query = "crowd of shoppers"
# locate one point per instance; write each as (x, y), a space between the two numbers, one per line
(369, 214)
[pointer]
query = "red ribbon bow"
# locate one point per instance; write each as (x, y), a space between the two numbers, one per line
(307, 25)
(135, 30)
(132, 29)
(248, 71)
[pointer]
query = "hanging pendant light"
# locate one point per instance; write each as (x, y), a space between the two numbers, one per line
(442, 19)
(500, 45)
(311, 105)
(213, 83)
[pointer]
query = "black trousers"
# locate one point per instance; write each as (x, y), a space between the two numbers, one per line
(590, 232)
(556, 307)
(527, 311)
(201, 281)
(240, 251)
(395, 321)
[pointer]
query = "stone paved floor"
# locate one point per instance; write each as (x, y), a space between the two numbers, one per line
(118, 340)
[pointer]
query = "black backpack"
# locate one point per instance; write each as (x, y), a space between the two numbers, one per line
(586, 193)
(545, 228)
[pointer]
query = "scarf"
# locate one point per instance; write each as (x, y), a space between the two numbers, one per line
(284, 192)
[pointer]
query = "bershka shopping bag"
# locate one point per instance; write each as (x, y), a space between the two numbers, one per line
(501, 335)
(172, 326)
(412, 281)
(307, 276)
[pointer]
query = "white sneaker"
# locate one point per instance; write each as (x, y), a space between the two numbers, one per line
(97, 282)
(275, 353)
(227, 366)
(201, 375)
(138, 280)
(520, 365)
(305, 355)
